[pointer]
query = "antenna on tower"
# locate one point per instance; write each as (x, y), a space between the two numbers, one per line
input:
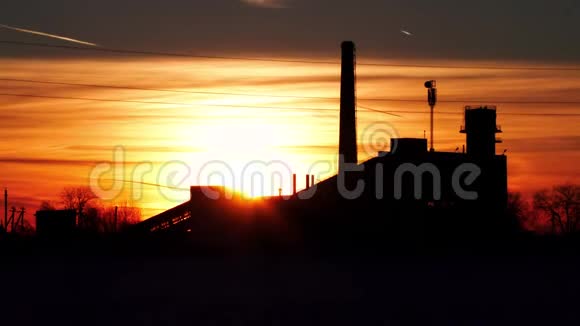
(431, 86)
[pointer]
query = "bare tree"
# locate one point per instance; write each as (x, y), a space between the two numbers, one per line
(104, 218)
(561, 206)
(518, 210)
(77, 198)
(127, 216)
(47, 205)
(92, 215)
(119, 217)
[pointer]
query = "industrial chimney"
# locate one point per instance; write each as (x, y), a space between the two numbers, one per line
(347, 139)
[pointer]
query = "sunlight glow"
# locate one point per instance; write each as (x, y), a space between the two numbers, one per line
(70, 137)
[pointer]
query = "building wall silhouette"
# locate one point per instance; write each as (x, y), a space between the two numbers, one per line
(441, 196)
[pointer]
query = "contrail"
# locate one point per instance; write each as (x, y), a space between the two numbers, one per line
(47, 35)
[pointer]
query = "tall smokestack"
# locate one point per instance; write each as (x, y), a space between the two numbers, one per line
(347, 140)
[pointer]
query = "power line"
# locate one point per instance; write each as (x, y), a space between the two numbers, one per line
(498, 101)
(179, 104)
(554, 114)
(217, 57)
(163, 90)
(147, 184)
(390, 112)
(160, 103)
(157, 53)
(378, 111)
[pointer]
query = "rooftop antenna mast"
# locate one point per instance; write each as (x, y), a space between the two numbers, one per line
(431, 86)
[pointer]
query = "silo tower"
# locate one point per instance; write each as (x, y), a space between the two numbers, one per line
(480, 128)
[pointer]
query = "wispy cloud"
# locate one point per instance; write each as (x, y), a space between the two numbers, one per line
(68, 39)
(62, 162)
(267, 3)
(544, 144)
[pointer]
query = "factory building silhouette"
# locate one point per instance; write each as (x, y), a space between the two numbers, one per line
(398, 193)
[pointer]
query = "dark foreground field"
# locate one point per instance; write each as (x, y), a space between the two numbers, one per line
(286, 289)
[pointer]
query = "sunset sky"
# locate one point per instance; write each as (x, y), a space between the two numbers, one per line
(231, 111)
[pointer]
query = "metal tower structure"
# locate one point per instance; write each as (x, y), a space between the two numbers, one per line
(431, 86)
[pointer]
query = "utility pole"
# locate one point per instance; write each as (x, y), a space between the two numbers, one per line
(431, 86)
(6, 209)
(19, 221)
(10, 221)
(115, 228)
